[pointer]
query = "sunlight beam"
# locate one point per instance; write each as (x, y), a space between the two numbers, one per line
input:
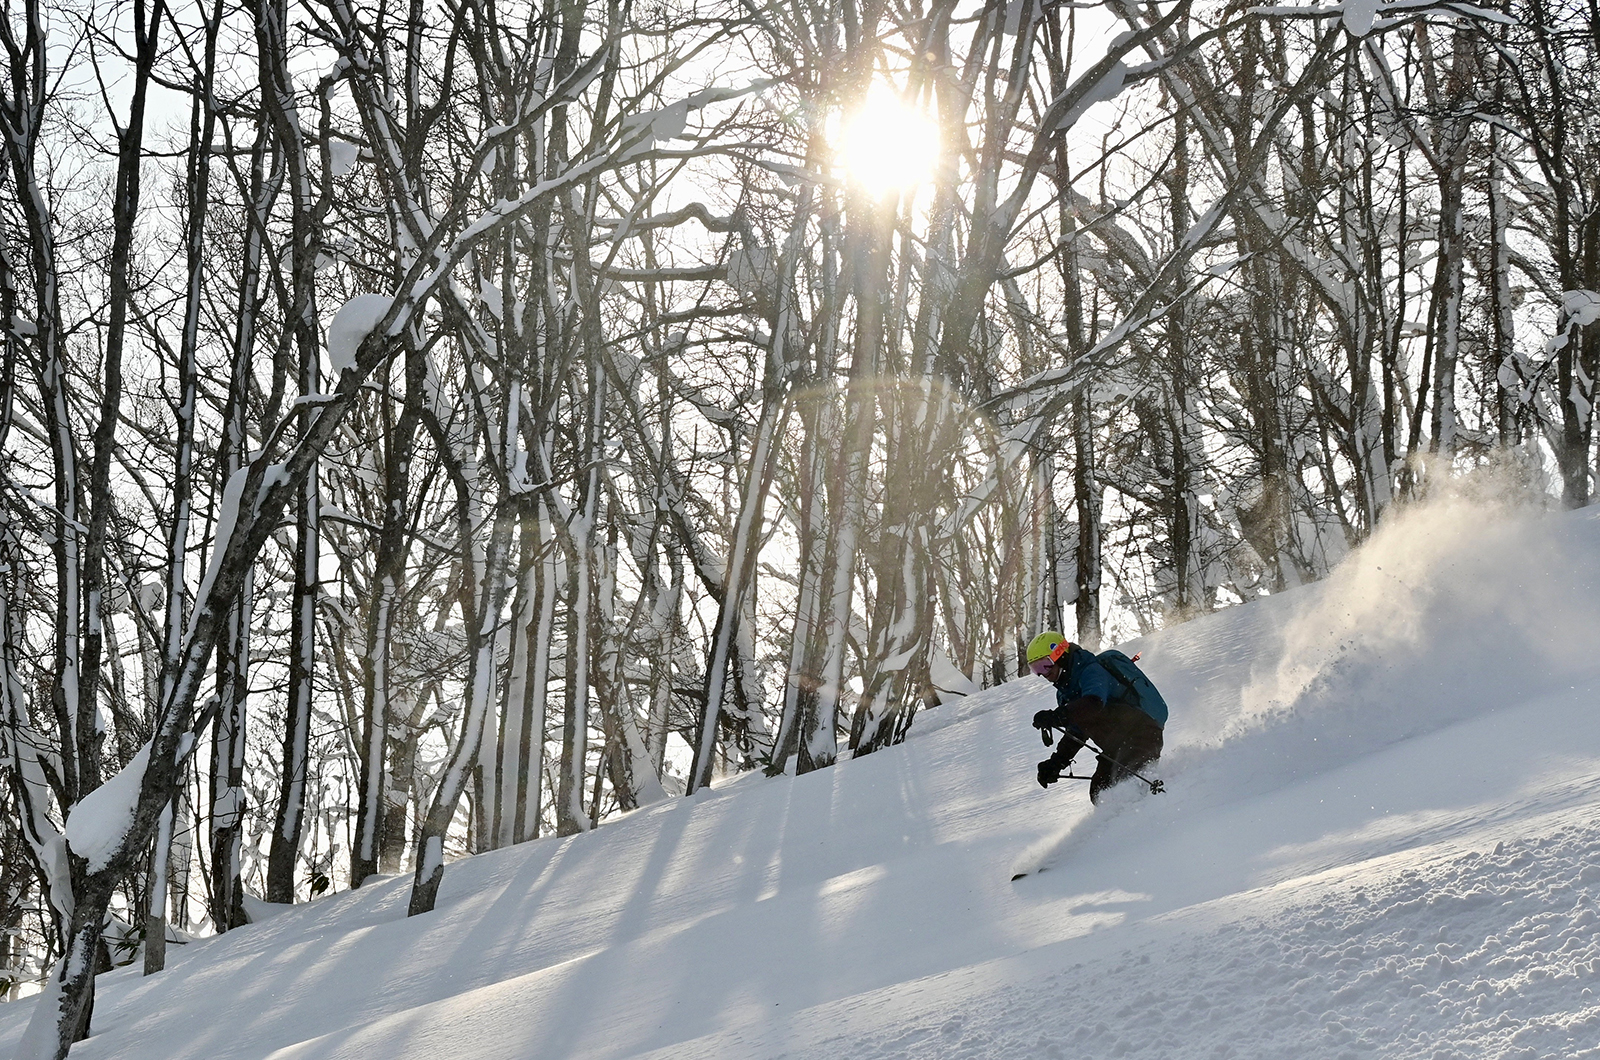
(887, 146)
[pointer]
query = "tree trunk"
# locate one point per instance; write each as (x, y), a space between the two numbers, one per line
(738, 574)
(1086, 487)
(155, 921)
(284, 851)
(489, 594)
(377, 671)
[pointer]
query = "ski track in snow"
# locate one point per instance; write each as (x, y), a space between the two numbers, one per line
(1381, 838)
(1461, 955)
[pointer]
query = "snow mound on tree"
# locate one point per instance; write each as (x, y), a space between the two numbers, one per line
(96, 825)
(351, 325)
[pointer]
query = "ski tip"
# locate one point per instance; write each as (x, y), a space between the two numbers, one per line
(1018, 876)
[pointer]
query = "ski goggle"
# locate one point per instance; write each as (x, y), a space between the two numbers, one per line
(1056, 652)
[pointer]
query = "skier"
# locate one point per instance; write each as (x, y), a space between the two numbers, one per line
(1104, 698)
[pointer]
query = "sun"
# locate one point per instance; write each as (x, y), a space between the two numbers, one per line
(887, 146)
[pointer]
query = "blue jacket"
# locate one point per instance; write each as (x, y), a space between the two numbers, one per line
(1084, 676)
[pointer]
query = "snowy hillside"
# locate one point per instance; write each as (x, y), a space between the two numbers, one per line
(1381, 838)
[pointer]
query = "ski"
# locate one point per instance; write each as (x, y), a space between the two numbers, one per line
(1050, 851)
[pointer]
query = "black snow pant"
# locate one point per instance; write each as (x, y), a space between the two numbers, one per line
(1129, 741)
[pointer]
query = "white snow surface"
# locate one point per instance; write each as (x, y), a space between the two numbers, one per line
(1381, 838)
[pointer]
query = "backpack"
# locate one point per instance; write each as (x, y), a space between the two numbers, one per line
(1137, 691)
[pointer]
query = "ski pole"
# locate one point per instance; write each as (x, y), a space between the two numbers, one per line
(1156, 786)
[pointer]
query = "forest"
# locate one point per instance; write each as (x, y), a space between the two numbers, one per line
(427, 427)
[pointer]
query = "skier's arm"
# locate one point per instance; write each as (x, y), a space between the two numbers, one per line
(1052, 768)
(1073, 716)
(1094, 680)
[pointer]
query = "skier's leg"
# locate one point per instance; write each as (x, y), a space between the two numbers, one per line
(1121, 761)
(1139, 747)
(1104, 777)
(1131, 743)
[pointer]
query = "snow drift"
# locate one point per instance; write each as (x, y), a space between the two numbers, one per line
(1380, 839)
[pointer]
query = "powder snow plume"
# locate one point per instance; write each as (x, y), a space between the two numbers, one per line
(1474, 594)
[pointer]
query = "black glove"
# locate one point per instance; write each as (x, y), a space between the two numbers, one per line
(1046, 720)
(1049, 772)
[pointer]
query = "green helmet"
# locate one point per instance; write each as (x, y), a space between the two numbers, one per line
(1044, 645)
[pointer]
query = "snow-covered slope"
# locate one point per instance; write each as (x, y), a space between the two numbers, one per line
(1380, 838)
